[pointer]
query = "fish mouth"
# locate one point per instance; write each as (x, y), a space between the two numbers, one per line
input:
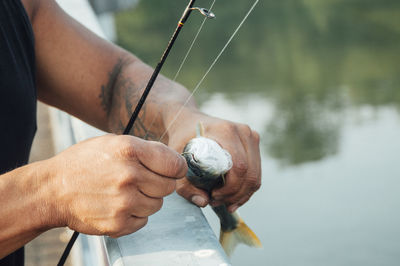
(194, 158)
(194, 164)
(195, 168)
(190, 158)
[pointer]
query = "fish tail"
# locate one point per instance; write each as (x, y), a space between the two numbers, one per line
(241, 234)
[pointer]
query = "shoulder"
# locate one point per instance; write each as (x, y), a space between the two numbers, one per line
(31, 8)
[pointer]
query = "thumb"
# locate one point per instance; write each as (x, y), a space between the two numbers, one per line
(195, 195)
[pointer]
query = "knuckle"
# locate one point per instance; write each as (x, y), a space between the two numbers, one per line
(170, 187)
(116, 212)
(124, 204)
(254, 183)
(114, 228)
(239, 199)
(119, 141)
(142, 223)
(157, 205)
(245, 130)
(150, 208)
(244, 200)
(127, 152)
(234, 189)
(132, 227)
(182, 186)
(126, 177)
(240, 166)
(228, 126)
(256, 136)
(125, 146)
(121, 232)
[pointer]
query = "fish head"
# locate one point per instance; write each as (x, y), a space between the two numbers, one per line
(207, 161)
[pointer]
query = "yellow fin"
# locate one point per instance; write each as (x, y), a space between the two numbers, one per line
(242, 234)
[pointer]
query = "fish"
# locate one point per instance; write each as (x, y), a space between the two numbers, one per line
(207, 164)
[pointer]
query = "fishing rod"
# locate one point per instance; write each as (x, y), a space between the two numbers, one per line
(185, 16)
(135, 114)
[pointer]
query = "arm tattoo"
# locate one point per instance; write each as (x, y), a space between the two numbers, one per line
(119, 98)
(106, 94)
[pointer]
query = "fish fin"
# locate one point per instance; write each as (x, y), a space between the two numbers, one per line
(242, 234)
(200, 130)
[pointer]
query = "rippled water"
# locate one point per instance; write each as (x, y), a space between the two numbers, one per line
(319, 80)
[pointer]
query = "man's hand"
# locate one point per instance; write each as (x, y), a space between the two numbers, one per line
(109, 185)
(242, 143)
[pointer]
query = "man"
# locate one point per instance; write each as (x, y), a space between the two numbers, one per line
(106, 185)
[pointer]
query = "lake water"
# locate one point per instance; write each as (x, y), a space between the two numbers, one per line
(320, 81)
(341, 210)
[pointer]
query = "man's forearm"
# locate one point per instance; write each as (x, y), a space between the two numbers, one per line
(95, 80)
(125, 86)
(25, 210)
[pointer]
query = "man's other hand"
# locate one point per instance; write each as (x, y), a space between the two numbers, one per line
(240, 141)
(110, 185)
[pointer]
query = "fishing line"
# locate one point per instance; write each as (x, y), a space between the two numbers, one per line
(209, 69)
(191, 45)
(182, 63)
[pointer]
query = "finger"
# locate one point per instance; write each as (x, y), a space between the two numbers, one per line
(161, 159)
(233, 207)
(195, 195)
(153, 185)
(252, 179)
(234, 178)
(131, 225)
(143, 206)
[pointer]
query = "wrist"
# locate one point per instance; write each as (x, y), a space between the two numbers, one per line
(176, 115)
(181, 124)
(46, 205)
(30, 208)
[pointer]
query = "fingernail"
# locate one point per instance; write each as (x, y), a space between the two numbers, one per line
(199, 200)
(234, 208)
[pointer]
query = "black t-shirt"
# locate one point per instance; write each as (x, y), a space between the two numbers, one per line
(17, 94)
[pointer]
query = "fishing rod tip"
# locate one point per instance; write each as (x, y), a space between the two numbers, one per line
(205, 12)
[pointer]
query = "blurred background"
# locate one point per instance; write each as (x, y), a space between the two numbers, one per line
(319, 80)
